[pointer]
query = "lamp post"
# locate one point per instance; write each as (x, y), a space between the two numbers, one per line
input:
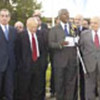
(52, 16)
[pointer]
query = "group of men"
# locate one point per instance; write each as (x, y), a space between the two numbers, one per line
(24, 58)
(75, 74)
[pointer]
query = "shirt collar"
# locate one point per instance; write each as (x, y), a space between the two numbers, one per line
(3, 27)
(63, 25)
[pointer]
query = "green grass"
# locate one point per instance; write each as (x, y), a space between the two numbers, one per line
(48, 75)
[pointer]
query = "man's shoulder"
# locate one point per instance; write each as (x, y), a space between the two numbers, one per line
(88, 31)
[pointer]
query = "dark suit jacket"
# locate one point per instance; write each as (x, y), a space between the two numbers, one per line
(80, 31)
(23, 50)
(43, 37)
(7, 49)
(44, 26)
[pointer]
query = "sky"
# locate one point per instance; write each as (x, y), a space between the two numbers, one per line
(88, 8)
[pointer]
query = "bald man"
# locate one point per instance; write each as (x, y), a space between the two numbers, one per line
(64, 57)
(90, 47)
(78, 21)
(28, 54)
(19, 26)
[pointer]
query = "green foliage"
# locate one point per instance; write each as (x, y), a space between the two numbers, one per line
(20, 9)
(5, 4)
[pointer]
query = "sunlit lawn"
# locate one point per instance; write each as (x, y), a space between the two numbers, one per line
(48, 74)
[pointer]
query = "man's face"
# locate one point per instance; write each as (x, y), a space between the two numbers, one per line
(33, 27)
(19, 27)
(94, 24)
(39, 20)
(4, 17)
(78, 21)
(85, 24)
(64, 17)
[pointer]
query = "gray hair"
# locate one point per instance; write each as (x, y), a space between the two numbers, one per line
(6, 10)
(62, 11)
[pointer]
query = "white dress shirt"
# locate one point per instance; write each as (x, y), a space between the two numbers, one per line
(63, 26)
(3, 27)
(37, 44)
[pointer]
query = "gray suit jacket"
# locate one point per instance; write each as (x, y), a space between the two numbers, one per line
(91, 54)
(61, 55)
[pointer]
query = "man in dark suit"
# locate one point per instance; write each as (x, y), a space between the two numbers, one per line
(78, 21)
(90, 48)
(19, 26)
(61, 40)
(30, 68)
(42, 32)
(42, 25)
(7, 55)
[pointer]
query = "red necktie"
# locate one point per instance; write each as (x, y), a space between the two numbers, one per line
(96, 40)
(34, 53)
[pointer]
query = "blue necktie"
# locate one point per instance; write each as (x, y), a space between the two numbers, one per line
(66, 31)
(6, 32)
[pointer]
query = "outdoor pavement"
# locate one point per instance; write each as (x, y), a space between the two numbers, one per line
(48, 97)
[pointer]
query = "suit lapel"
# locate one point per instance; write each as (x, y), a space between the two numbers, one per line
(10, 33)
(60, 31)
(2, 34)
(26, 40)
(90, 38)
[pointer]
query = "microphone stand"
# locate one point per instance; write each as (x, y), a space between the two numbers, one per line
(80, 57)
(79, 60)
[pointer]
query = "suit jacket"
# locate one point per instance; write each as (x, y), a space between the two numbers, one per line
(44, 26)
(61, 55)
(43, 37)
(24, 52)
(7, 49)
(80, 31)
(91, 54)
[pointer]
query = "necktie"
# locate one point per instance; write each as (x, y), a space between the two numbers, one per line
(96, 40)
(6, 32)
(66, 31)
(34, 52)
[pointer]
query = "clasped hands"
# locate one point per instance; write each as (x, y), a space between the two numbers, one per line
(64, 43)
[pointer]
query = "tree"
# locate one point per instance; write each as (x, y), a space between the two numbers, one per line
(5, 4)
(24, 9)
(20, 9)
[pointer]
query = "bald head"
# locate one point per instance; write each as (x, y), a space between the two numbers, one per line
(32, 24)
(78, 20)
(63, 15)
(37, 12)
(19, 26)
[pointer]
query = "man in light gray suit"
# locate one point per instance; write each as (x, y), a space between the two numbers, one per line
(90, 47)
(64, 57)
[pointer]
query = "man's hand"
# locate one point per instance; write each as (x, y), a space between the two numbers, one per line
(64, 43)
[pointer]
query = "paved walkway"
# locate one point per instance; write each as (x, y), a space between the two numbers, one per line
(49, 98)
